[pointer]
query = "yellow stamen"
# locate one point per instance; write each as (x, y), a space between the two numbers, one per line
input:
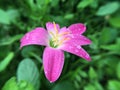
(56, 30)
(63, 40)
(64, 33)
(52, 34)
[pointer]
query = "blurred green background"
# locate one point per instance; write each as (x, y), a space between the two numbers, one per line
(23, 70)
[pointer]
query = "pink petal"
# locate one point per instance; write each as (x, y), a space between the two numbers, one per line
(50, 26)
(53, 61)
(78, 28)
(38, 36)
(77, 50)
(63, 29)
(77, 39)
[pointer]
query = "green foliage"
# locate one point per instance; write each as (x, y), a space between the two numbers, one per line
(5, 62)
(118, 70)
(92, 74)
(13, 85)
(108, 8)
(6, 17)
(10, 40)
(113, 85)
(102, 18)
(85, 3)
(64, 86)
(28, 71)
(106, 34)
(115, 21)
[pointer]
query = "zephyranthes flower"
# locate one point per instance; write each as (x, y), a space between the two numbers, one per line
(57, 40)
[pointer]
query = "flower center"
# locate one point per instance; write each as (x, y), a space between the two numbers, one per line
(57, 39)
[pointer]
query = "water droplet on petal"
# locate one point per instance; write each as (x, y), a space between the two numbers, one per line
(78, 47)
(87, 56)
(27, 36)
(45, 72)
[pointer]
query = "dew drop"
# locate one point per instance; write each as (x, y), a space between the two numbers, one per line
(45, 72)
(27, 36)
(78, 47)
(87, 56)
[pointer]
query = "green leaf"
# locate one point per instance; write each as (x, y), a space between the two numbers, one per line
(98, 86)
(106, 35)
(4, 63)
(28, 71)
(115, 21)
(108, 8)
(11, 84)
(89, 87)
(112, 47)
(64, 86)
(4, 17)
(69, 16)
(113, 85)
(13, 14)
(92, 73)
(118, 70)
(55, 3)
(31, 51)
(24, 85)
(10, 40)
(84, 3)
(42, 2)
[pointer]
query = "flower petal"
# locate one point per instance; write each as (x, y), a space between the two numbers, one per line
(77, 39)
(78, 28)
(50, 26)
(38, 36)
(77, 50)
(63, 29)
(53, 61)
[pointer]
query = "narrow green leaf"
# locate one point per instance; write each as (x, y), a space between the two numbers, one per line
(69, 16)
(4, 63)
(113, 47)
(84, 3)
(28, 71)
(118, 70)
(8, 41)
(108, 8)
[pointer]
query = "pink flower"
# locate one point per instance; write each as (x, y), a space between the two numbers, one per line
(57, 40)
